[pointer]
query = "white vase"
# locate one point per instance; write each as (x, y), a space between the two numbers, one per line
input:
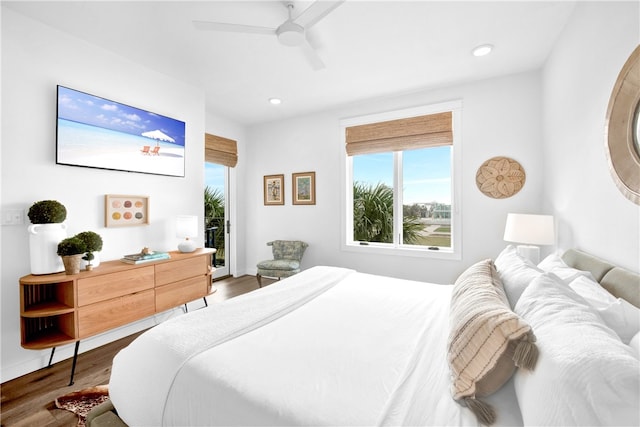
(94, 262)
(43, 247)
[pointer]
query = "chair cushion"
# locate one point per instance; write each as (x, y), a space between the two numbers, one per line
(288, 249)
(279, 264)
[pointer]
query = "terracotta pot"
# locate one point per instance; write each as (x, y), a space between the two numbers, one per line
(72, 263)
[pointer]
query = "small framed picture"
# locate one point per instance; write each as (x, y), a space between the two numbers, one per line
(273, 190)
(122, 210)
(304, 188)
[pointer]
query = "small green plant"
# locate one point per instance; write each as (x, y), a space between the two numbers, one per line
(47, 212)
(93, 243)
(71, 246)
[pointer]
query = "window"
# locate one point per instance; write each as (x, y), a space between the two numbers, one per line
(401, 175)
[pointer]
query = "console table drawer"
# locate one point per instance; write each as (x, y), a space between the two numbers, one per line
(181, 292)
(180, 270)
(112, 285)
(102, 316)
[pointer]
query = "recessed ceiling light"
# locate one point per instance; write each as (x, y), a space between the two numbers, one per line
(482, 50)
(275, 101)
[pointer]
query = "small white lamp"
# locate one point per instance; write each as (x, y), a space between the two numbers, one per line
(530, 230)
(186, 227)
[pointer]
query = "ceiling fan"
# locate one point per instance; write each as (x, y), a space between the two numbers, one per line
(290, 33)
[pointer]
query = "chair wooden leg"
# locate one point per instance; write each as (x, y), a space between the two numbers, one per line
(259, 277)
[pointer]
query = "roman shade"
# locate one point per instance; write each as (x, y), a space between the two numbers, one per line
(431, 130)
(219, 150)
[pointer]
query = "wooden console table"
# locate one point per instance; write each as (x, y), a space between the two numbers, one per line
(57, 309)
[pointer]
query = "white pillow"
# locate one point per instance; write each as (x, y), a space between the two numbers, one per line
(617, 313)
(585, 375)
(555, 264)
(592, 291)
(515, 273)
(635, 344)
(623, 318)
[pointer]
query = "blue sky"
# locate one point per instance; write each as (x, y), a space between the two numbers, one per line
(214, 176)
(427, 173)
(92, 110)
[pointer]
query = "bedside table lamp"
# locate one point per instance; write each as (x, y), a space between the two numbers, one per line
(186, 227)
(532, 230)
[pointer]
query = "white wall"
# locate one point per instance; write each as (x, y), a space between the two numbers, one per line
(36, 58)
(500, 117)
(578, 79)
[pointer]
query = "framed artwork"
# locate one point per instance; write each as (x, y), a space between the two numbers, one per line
(90, 132)
(122, 210)
(304, 188)
(273, 190)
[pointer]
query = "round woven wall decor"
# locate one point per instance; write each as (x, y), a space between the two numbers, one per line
(500, 177)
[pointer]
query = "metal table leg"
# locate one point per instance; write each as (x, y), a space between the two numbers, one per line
(73, 364)
(53, 350)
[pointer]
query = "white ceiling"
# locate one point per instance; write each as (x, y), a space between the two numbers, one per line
(371, 48)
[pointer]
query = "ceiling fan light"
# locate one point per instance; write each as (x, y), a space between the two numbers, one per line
(290, 34)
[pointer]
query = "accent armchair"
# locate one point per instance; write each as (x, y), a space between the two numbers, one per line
(287, 255)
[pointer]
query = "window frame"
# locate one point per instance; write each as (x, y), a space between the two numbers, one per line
(396, 248)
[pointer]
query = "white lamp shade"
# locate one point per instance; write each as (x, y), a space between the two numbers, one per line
(186, 227)
(529, 229)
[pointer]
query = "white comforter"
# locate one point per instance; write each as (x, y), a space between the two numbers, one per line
(328, 346)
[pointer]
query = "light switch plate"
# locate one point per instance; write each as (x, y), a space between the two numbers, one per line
(12, 217)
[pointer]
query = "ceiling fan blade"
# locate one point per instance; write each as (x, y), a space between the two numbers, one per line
(232, 28)
(314, 13)
(312, 56)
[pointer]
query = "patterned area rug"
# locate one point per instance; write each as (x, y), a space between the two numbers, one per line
(81, 402)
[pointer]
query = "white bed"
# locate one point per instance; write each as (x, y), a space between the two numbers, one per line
(328, 346)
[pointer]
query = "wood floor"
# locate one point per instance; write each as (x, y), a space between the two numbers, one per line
(29, 400)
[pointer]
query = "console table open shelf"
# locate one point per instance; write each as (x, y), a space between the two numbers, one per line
(57, 309)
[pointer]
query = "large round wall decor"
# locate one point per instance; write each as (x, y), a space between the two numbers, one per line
(500, 177)
(622, 145)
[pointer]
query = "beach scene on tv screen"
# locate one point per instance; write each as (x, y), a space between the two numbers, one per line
(100, 133)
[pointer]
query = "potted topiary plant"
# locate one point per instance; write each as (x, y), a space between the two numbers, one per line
(93, 242)
(71, 250)
(45, 231)
(47, 212)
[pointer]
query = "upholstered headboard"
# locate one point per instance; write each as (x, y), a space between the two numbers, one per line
(618, 281)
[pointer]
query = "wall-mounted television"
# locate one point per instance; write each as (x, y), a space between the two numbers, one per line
(99, 133)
